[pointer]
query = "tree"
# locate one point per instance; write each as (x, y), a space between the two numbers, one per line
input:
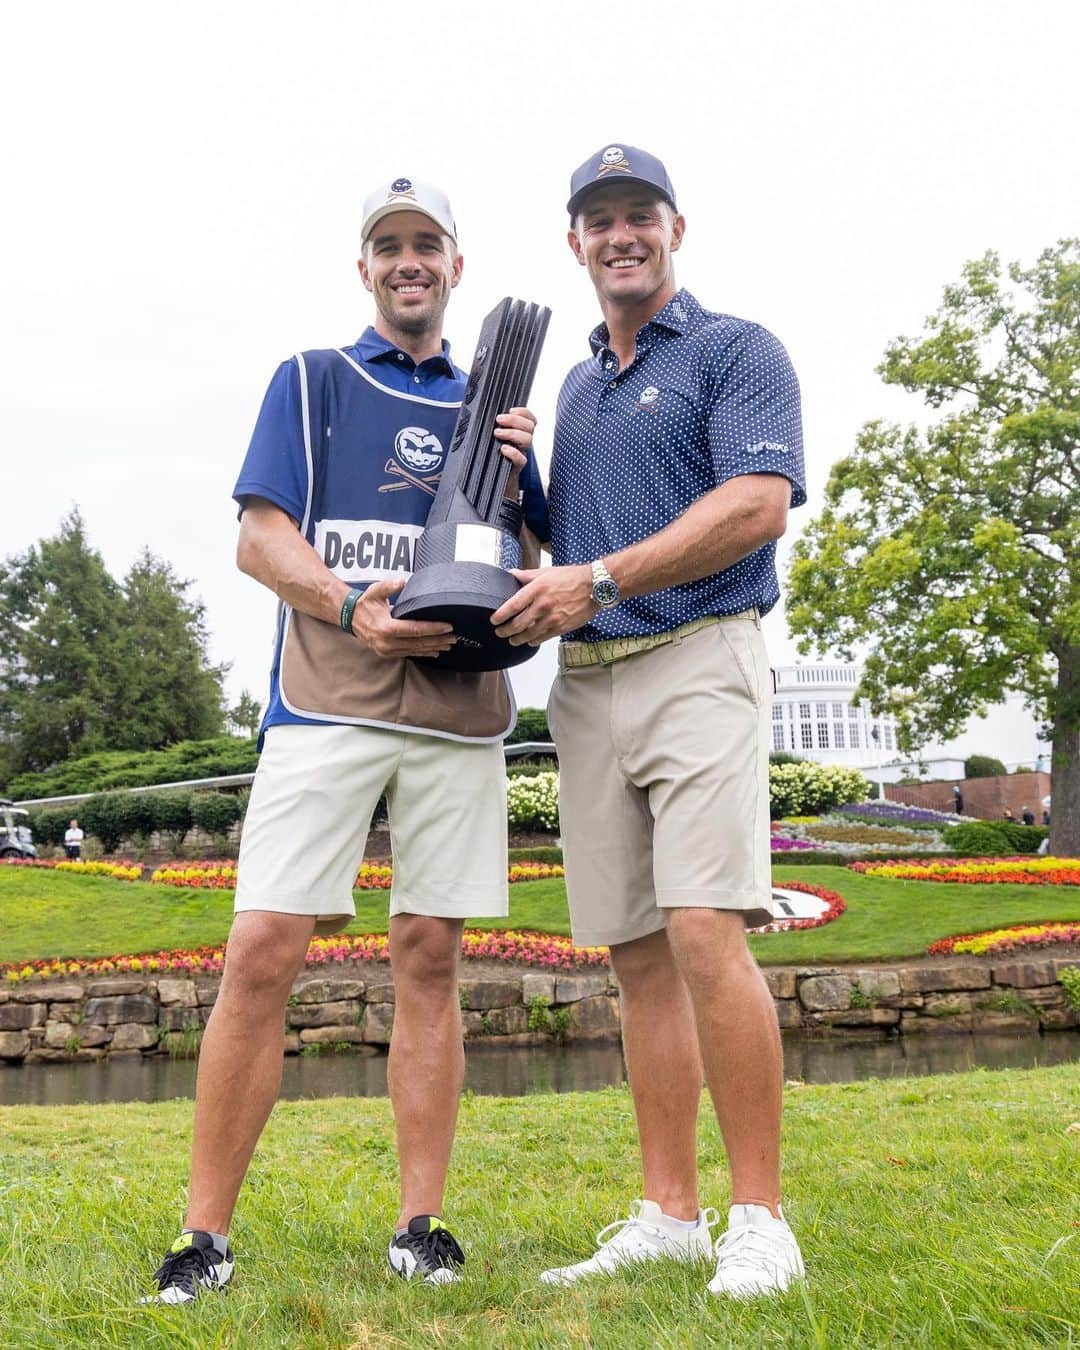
(165, 689)
(950, 550)
(89, 665)
(61, 613)
(247, 715)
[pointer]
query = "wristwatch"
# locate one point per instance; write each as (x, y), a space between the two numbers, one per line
(605, 589)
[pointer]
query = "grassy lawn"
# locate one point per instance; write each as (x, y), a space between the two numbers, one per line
(52, 914)
(939, 1212)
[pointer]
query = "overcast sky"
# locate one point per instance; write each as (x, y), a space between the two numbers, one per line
(183, 187)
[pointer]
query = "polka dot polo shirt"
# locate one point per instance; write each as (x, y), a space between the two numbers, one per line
(707, 397)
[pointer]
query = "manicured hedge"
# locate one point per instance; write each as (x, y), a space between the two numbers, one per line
(138, 768)
(985, 838)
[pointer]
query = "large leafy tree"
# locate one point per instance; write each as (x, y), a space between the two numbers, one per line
(60, 613)
(947, 552)
(89, 664)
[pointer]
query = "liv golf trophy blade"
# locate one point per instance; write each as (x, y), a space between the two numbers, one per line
(471, 536)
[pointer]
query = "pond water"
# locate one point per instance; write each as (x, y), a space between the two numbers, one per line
(506, 1072)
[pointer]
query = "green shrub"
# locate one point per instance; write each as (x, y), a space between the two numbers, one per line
(529, 768)
(785, 757)
(103, 816)
(545, 853)
(172, 816)
(534, 801)
(987, 838)
(138, 768)
(138, 816)
(531, 726)
(1069, 978)
(805, 789)
(49, 824)
(215, 812)
(983, 766)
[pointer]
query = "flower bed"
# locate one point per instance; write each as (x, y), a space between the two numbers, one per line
(836, 907)
(892, 813)
(533, 949)
(122, 871)
(221, 876)
(1024, 870)
(999, 940)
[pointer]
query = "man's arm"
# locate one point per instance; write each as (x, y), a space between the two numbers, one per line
(272, 550)
(720, 528)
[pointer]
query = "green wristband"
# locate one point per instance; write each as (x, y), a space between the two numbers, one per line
(347, 607)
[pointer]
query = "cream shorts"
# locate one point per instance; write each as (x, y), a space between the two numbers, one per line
(664, 783)
(315, 791)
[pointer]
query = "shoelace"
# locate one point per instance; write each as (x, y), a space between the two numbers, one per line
(709, 1217)
(747, 1244)
(434, 1250)
(184, 1269)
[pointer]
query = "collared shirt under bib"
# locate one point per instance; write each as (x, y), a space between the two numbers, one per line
(707, 397)
(351, 443)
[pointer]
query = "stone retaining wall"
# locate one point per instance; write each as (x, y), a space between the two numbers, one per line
(77, 1020)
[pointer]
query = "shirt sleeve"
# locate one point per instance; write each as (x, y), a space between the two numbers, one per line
(755, 418)
(533, 500)
(276, 464)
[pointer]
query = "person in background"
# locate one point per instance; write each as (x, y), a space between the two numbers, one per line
(1008, 817)
(1027, 815)
(73, 841)
(958, 801)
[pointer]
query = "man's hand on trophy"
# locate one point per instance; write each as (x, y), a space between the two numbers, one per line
(374, 625)
(551, 601)
(515, 430)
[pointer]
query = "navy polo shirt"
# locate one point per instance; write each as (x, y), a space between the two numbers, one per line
(706, 398)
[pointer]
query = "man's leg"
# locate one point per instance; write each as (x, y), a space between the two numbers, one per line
(427, 1057)
(740, 1046)
(241, 1058)
(664, 1067)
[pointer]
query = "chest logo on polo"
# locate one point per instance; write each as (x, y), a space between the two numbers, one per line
(777, 447)
(417, 454)
(647, 400)
(613, 160)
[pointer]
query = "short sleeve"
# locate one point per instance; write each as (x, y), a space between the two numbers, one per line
(276, 464)
(533, 501)
(755, 417)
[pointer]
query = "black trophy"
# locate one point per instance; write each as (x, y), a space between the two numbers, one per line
(471, 536)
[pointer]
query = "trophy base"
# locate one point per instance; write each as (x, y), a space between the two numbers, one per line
(464, 594)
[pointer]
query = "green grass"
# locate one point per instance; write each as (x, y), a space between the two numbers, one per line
(44, 914)
(933, 1212)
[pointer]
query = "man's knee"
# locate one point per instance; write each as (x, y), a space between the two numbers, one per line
(706, 943)
(425, 950)
(264, 953)
(639, 962)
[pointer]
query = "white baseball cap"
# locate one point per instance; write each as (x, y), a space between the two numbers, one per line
(406, 194)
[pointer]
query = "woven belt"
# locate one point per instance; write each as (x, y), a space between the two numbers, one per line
(575, 654)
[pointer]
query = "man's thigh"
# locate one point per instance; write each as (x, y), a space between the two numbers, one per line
(307, 821)
(447, 802)
(604, 818)
(695, 716)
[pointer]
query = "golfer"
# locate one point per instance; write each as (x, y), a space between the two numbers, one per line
(677, 454)
(333, 495)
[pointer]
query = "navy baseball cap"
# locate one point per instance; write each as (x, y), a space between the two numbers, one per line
(619, 164)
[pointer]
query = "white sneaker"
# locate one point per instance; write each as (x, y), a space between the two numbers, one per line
(647, 1235)
(757, 1255)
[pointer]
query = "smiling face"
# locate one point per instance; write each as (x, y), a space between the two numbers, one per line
(410, 267)
(625, 236)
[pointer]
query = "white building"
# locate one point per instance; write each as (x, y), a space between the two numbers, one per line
(816, 717)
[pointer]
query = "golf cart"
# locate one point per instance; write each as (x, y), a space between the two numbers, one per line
(15, 838)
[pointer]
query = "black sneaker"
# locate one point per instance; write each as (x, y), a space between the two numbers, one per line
(427, 1249)
(193, 1263)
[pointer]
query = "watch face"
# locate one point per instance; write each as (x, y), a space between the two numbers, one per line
(605, 592)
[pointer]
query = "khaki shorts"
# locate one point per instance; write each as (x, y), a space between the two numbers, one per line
(664, 783)
(312, 800)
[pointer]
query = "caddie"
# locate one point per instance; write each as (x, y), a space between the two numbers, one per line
(333, 494)
(677, 455)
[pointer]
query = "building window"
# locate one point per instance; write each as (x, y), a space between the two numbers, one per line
(823, 735)
(853, 734)
(838, 710)
(888, 736)
(778, 712)
(804, 710)
(838, 735)
(778, 737)
(823, 710)
(807, 735)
